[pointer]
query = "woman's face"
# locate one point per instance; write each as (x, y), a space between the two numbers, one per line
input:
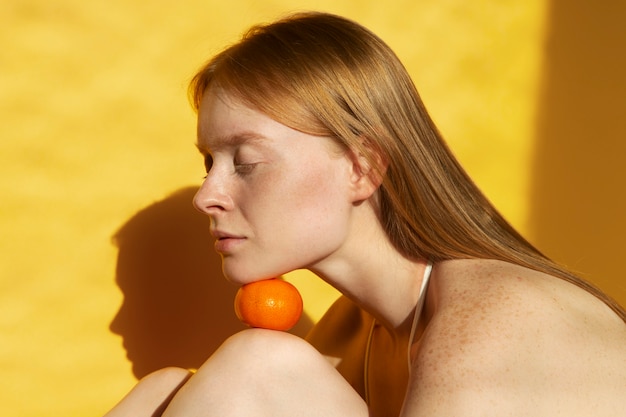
(278, 199)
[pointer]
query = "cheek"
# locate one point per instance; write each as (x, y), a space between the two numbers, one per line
(319, 201)
(305, 199)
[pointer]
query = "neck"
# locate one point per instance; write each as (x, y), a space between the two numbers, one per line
(373, 274)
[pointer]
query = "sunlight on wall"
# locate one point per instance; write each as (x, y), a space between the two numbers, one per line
(97, 137)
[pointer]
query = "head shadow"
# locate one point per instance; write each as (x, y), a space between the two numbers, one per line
(177, 307)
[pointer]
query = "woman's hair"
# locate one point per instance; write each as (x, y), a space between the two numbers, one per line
(328, 76)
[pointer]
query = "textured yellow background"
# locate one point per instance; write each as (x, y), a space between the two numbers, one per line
(100, 245)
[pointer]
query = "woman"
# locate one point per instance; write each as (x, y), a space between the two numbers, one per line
(320, 155)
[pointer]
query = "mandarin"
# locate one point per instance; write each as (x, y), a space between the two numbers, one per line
(269, 304)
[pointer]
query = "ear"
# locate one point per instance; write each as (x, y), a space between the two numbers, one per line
(367, 172)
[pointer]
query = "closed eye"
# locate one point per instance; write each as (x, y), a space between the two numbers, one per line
(244, 169)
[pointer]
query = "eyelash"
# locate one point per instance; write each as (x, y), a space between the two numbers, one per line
(243, 169)
(240, 169)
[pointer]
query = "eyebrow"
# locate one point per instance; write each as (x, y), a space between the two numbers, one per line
(230, 141)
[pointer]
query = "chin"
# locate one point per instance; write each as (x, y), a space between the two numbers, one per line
(244, 277)
(241, 276)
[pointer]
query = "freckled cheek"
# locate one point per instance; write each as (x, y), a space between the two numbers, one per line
(317, 195)
(305, 194)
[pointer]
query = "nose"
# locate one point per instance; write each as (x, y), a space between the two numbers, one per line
(212, 198)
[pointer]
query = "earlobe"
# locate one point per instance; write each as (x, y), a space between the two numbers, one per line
(366, 176)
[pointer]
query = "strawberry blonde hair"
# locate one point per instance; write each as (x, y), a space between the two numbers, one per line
(328, 76)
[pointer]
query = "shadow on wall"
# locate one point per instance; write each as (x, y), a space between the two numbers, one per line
(178, 307)
(578, 199)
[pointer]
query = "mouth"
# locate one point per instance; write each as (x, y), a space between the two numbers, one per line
(226, 243)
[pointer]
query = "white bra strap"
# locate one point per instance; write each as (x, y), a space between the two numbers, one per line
(418, 308)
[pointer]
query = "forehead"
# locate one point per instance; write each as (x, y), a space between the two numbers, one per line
(225, 121)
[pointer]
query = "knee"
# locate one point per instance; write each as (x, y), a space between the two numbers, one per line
(260, 352)
(152, 393)
(270, 348)
(235, 380)
(166, 378)
(265, 372)
(161, 384)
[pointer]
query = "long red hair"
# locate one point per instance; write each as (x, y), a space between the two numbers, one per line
(329, 76)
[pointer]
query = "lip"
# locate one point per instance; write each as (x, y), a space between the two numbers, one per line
(225, 242)
(226, 245)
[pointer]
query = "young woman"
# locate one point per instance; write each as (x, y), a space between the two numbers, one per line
(320, 155)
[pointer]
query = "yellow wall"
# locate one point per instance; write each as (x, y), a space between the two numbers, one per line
(578, 172)
(106, 271)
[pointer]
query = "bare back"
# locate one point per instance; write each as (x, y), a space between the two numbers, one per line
(505, 340)
(494, 339)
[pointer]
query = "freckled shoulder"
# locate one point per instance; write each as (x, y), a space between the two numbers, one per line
(499, 335)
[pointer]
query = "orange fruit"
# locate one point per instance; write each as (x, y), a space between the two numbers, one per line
(269, 304)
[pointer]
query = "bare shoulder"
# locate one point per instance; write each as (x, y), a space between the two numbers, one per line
(506, 340)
